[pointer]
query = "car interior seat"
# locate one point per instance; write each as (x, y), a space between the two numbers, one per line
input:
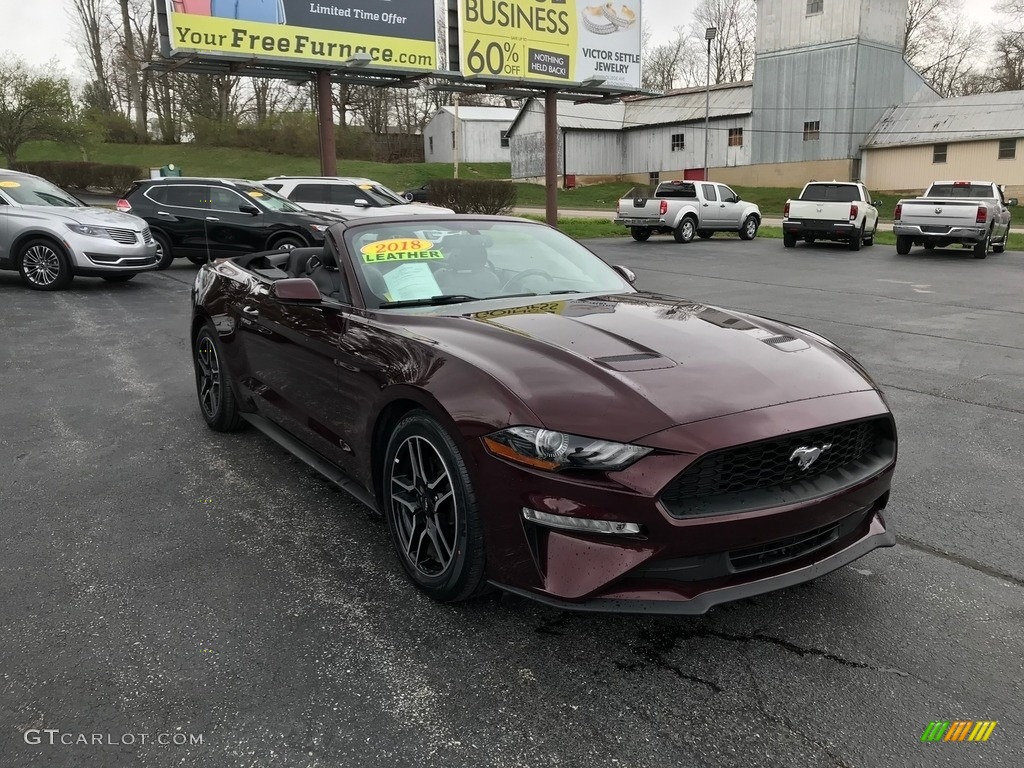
(322, 269)
(465, 269)
(297, 260)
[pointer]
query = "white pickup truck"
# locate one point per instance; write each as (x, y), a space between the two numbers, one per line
(974, 214)
(831, 210)
(687, 209)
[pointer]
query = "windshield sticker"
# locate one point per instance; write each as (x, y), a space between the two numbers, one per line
(254, 193)
(548, 307)
(408, 282)
(9, 184)
(405, 249)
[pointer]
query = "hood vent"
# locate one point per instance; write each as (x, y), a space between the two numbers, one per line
(785, 343)
(639, 361)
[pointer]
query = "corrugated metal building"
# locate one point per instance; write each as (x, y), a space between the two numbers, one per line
(483, 135)
(638, 138)
(972, 137)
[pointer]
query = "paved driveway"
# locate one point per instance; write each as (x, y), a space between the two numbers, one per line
(158, 578)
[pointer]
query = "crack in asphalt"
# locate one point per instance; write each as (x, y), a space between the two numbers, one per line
(966, 562)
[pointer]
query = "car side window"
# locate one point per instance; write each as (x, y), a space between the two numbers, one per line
(157, 194)
(188, 196)
(709, 192)
(273, 187)
(3, 200)
(345, 194)
(310, 193)
(222, 199)
(728, 196)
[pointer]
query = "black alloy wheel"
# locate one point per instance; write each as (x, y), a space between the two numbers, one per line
(213, 386)
(43, 266)
(431, 510)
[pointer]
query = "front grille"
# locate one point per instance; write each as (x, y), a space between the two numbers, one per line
(147, 236)
(768, 472)
(782, 550)
(123, 236)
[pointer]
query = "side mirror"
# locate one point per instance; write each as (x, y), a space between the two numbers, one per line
(626, 273)
(738, 199)
(250, 209)
(361, 203)
(298, 289)
(1012, 203)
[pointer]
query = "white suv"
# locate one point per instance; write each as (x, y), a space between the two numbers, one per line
(347, 196)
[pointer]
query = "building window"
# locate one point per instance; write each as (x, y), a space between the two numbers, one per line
(735, 137)
(1007, 149)
(654, 178)
(678, 142)
(939, 153)
(812, 131)
(815, 6)
(504, 139)
(430, 140)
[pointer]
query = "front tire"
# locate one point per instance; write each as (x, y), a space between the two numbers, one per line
(903, 244)
(640, 234)
(870, 239)
(749, 229)
(431, 510)
(164, 250)
(213, 384)
(43, 266)
(686, 230)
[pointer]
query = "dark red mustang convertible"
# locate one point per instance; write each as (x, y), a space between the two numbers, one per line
(524, 418)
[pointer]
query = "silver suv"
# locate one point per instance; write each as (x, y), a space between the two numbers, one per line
(49, 236)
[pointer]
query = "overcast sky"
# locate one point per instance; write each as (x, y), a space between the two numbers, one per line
(41, 30)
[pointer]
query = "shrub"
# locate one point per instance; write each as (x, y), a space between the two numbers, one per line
(80, 175)
(470, 196)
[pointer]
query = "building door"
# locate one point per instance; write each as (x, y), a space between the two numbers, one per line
(693, 174)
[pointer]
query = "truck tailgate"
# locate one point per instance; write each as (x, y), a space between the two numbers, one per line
(819, 211)
(939, 215)
(640, 208)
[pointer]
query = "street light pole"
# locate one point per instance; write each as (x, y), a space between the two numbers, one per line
(709, 34)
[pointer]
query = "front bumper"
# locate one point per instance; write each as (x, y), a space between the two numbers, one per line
(919, 232)
(836, 230)
(95, 256)
(681, 565)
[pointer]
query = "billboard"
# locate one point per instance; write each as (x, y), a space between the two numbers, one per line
(395, 33)
(552, 41)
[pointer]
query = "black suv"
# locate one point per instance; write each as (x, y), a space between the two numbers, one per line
(199, 218)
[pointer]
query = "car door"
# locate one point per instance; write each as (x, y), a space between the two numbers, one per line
(730, 208)
(710, 213)
(230, 230)
(871, 220)
(293, 352)
(180, 211)
(312, 197)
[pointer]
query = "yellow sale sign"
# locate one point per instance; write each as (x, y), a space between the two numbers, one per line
(567, 41)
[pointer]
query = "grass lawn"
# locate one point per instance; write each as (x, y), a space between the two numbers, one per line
(250, 164)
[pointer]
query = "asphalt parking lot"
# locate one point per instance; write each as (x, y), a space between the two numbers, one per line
(159, 578)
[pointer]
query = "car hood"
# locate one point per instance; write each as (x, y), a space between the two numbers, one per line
(99, 217)
(628, 365)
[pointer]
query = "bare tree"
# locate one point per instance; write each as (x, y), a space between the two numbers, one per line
(664, 64)
(944, 47)
(132, 64)
(90, 15)
(733, 49)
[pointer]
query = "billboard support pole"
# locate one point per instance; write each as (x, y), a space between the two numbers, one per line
(325, 122)
(551, 154)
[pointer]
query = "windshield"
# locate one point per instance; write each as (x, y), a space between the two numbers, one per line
(267, 199)
(29, 190)
(831, 193)
(443, 261)
(975, 191)
(381, 195)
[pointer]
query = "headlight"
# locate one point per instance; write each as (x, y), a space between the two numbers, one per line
(85, 229)
(546, 449)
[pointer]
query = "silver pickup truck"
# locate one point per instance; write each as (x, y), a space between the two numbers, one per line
(974, 214)
(687, 209)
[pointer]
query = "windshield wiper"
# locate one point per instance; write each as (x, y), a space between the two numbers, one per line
(558, 293)
(451, 298)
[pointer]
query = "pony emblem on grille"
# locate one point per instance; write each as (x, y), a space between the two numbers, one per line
(805, 457)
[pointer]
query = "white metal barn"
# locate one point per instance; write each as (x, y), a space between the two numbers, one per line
(483, 135)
